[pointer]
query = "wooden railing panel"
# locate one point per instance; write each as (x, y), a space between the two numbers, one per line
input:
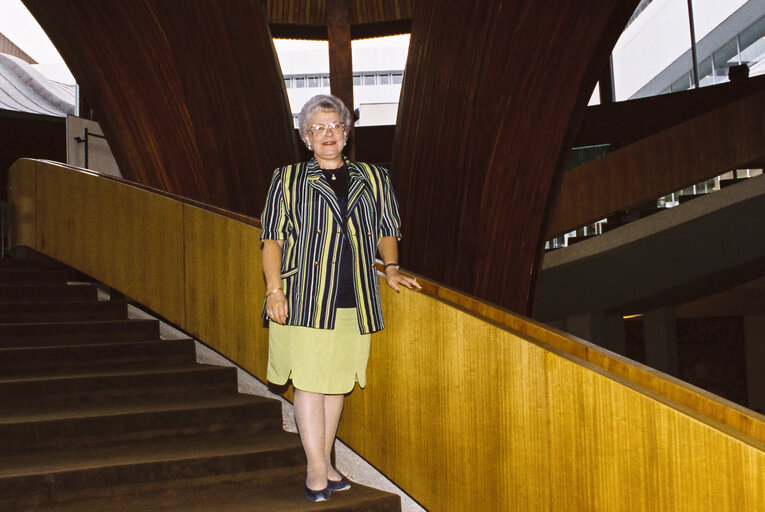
(116, 233)
(224, 288)
(461, 411)
(458, 399)
(708, 404)
(22, 211)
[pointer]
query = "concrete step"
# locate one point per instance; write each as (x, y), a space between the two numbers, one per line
(47, 292)
(60, 360)
(76, 426)
(33, 276)
(70, 311)
(79, 473)
(97, 387)
(37, 334)
(272, 491)
(24, 264)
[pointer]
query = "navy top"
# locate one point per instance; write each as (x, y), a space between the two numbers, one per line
(339, 181)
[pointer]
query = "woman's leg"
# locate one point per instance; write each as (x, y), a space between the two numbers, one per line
(333, 408)
(311, 422)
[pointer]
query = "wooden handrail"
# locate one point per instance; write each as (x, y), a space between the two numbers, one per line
(467, 407)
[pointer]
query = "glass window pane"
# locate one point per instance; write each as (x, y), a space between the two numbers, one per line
(398, 78)
(356, 79)
(753, 42)
(287, 83)
(300, 83)
(369, 79)
(384, 79)
(325, 81)
(683, 84)
(705, 73)
(725, 57)
(313, 81)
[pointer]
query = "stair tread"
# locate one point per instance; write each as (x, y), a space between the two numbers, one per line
(98, 415)
(132, 372)
(284, 495)
(63, 348)
(58, 323)
(143, 452)
(68, 411)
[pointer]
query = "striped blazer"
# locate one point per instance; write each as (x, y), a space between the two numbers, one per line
(302, 210)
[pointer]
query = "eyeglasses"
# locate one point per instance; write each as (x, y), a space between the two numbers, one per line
(321, 129)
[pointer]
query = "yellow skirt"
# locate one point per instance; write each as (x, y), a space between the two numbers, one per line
(328, 361)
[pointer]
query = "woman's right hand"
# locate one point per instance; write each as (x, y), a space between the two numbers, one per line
(276, 307)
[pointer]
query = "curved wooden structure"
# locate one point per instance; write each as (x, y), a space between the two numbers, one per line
(728, 137)
(528, 418)
(491, 102)
(189, 94)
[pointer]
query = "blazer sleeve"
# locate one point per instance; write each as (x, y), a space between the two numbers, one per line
(390, 222)
(274, 219)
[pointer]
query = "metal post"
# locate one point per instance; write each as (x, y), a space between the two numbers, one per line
(693, 45)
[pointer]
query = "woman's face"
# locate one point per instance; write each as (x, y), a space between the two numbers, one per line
(327, 143)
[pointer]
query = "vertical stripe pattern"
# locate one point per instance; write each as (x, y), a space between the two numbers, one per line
(302, 210)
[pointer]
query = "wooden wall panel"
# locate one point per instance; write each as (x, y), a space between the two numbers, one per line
(491, 101)
(188, 93)
(452, 395)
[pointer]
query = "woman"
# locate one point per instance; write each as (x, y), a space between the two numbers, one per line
(323, 223)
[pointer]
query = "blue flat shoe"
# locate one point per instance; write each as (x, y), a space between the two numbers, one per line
(314, 496)
(342, 485)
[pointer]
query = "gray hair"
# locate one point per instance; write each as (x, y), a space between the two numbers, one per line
(323, 102)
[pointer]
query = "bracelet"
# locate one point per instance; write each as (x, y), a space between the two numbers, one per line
(385, 267)
(272, 292)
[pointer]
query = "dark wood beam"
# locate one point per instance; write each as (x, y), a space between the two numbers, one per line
(340, 55)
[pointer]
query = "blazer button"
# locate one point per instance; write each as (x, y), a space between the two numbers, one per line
(315, 262)
(369, 233)
(318, 230)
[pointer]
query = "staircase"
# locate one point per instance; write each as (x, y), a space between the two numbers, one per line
(97, 413)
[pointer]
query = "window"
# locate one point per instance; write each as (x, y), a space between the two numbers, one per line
(724, 58)
(356, 79)
(288, 83)
(706, 72)
(753, 42)
(384, 78)
(325, 81)
(398, 78)
(300, 83)
(369, 79)
(683, 84)
(313, 81)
